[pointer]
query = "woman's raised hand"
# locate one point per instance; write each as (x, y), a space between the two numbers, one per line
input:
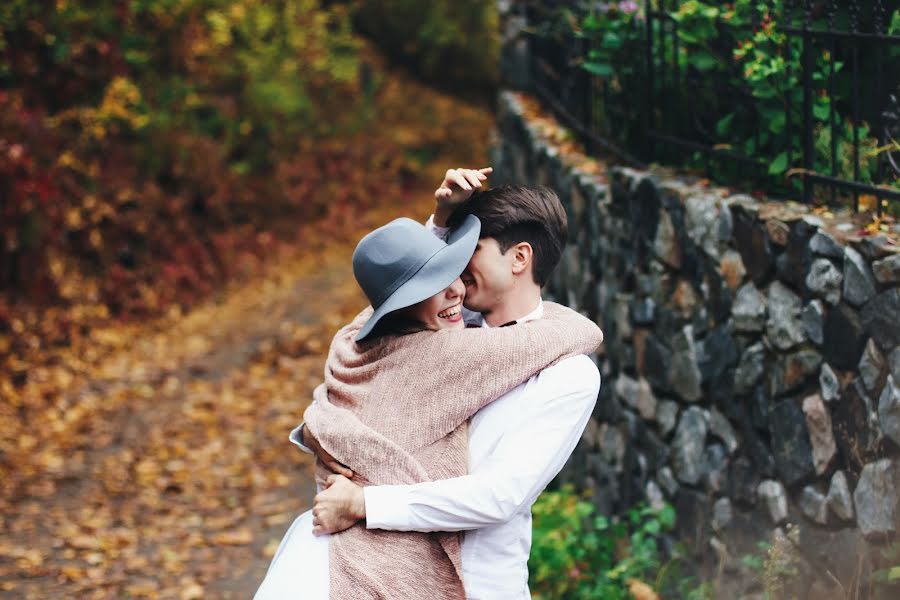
(457, 187)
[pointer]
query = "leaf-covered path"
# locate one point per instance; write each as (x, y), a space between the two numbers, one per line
(166, 470)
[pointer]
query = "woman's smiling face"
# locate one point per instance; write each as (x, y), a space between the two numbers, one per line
(441, 311)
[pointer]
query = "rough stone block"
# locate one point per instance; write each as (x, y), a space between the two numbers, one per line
(821, 436)
(742, 481)
(749, 309)
(643, 311)
(823, 244)
(722, 514)
(813, 504)
(790, 442)
(685, 300)
(783, 327)
(758, 451)
(752, 242)
(894, 362)
(667, 481)
(637, 394)
(887, 270)
(750, 368)
(877, 499)
(666, 416)
(605, 488)
(859, 283)
(881, 318)
(759, 405)
(774, 497)
(667, 245)
(620, 317)
(874, 247)
(872, 366)
(796, 259)
(715, 468)
(824, 280)
(702, 221)
(889, 410)
(829, 384)
(654, 495)
(844, 338)
(812, 320)
(858, 435)
(722, 429)
(688, 445)
(612, 445)
(684, 377)
(839, 499)
(732, 268)
(716, 353)
(657, 363)
(778, 231)
(792, 370)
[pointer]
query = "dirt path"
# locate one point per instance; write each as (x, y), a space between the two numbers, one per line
(170, 474)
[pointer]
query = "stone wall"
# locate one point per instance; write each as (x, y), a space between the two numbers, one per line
(751, 364)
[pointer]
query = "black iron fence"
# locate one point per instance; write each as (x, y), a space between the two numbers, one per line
(794, 97)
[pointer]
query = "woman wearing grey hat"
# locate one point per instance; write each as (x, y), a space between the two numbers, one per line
(401, 382)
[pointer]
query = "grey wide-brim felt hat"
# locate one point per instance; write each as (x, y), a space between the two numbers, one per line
(403, 263)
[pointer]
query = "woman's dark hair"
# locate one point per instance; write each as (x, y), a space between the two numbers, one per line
(396, 323)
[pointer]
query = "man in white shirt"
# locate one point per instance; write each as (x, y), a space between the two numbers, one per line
(518, 443)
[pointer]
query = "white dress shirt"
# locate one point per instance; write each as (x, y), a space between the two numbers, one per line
(517, 445)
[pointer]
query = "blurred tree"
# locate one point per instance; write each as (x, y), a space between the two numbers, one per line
(451, 44)
(145, 132)
(148, 144)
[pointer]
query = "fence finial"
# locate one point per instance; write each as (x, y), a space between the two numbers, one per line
(831, 12)
(879, 16)
(854, 15)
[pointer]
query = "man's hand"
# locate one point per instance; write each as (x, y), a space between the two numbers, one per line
(456, 188)
(339, 506)
(310, 441)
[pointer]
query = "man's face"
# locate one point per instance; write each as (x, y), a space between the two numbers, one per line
(489, 276)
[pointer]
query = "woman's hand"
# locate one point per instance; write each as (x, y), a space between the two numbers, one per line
(310, 441)
(457, 187)
(339, 506)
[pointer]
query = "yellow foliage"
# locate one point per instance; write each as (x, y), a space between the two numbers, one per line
(120, 110)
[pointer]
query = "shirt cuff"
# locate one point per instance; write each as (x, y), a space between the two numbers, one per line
(440, 232)
(295, 438)
(387, 507)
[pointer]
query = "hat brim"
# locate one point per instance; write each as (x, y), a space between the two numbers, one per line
(436, 274)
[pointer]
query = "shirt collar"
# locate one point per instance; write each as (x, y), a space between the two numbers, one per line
(537, 313)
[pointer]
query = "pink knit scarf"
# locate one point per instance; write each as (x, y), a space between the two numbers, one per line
(395, 410)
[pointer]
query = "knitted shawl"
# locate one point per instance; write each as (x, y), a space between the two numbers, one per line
(395, 410)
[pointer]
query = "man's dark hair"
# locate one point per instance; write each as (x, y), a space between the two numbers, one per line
(512, 214)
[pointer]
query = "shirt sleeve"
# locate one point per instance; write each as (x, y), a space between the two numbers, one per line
(524, 461)
(295, 438)
(441, 232)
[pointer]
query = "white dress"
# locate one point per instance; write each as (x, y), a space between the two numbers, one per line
(299, 569)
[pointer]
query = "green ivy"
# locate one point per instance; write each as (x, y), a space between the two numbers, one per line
(739, 45)
(579, 555)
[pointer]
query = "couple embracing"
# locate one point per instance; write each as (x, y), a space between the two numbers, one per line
(448, 405)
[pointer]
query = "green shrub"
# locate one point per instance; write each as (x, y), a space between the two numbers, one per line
(577, 555)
